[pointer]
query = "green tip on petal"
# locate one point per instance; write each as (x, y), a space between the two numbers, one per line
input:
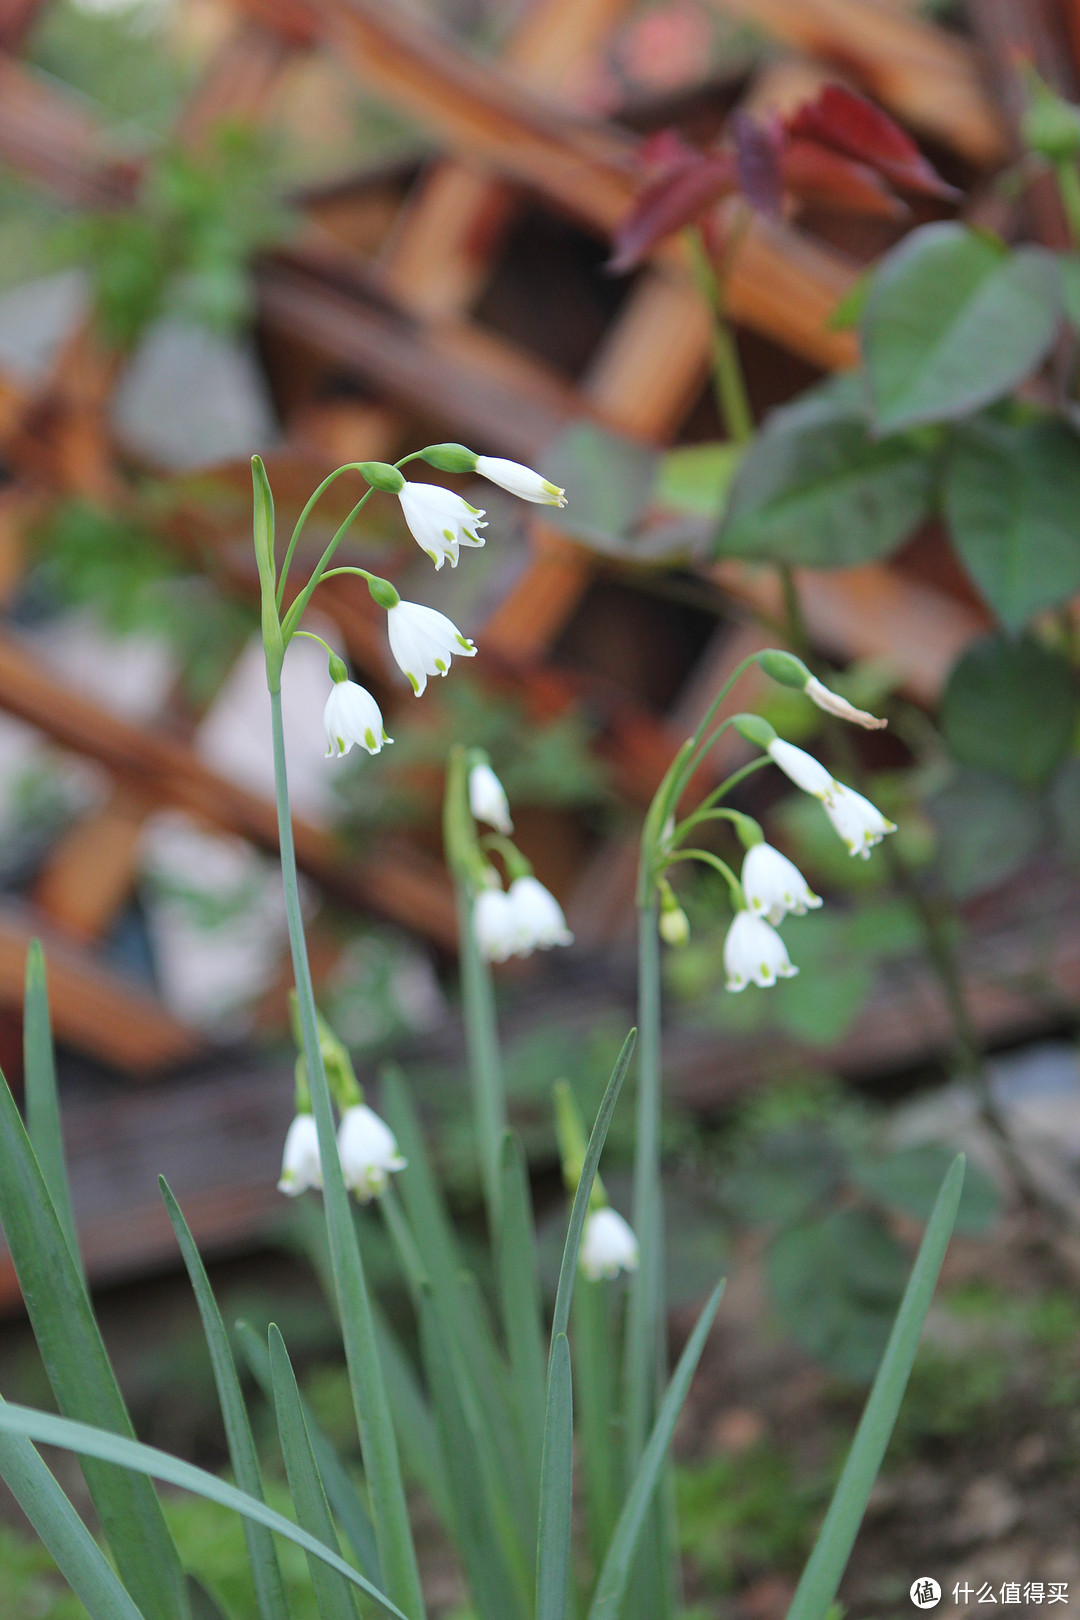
(369, 741)
(413, 682)
(441, 666)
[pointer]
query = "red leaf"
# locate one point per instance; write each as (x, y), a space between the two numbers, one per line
(814, 174)
(854, 126)
(675, 199)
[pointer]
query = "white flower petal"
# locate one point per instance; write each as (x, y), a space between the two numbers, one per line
(539, 917)
(520, 481)
(300, 1164)
(423, 641)
(804, 770)
(859, 823)
(487, 799)
(754, 951)
(608, 1245)
(440, 521)
(369, 1152)
(495, 925)
(833, 703)
(352, 716)
(773, 885)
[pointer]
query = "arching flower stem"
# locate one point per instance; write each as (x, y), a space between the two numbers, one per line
(707, 858)
(350, 466)
(707, 811)
(295, 612)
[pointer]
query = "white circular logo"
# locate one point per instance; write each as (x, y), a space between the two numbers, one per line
(925, 1592)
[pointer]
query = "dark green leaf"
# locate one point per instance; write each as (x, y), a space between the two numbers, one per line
(556, 1490)
(607, 478)
(265, 1573)
(988, 828)
(1010, 706)
(910, 1179)
(1012, 495)
(816, 489)
(200, 1602)
(695, 478)
(333, 1594)
(836, 1282)
(821, 1577)
(522, 1306)
(79, 1371)
(783, 1174)
(42, 1104)
(120, 1452)
(953, 322)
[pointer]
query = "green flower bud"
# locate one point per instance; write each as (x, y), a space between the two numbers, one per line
(338, 672)
(382, 592)
(380, 475)
(784, 668)
(452, 458)
(754, 729)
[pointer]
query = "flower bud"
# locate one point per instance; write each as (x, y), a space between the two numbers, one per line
(674, 926)
(784, 668)
(380, 475)
(754, 729)
(451, 458)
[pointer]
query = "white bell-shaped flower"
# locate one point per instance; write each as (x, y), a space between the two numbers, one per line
(440, 521)
(487, 799)
(423, 641)
(754, 951)
(538, 917)
(495, 925)
(773, 885)
(520, 481)
(860, 824)
(608, 1245)
(369, 1152)
(833, 703)
(804, 770)
(352, 716)
(300, 1164)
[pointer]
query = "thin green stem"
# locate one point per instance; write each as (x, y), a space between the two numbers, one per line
(378, 1443)
(705, 808)
(484, 1059)
(732, 398)
(703, 814)
(296, 609)
(1069, 188)
(707, 858)
(646, 1305)
(310, 635)
(350, 466)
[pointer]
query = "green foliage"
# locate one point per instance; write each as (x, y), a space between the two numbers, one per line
(746, 1514)
(118, 57)
(1011, 494)
(953, 322)
(1010, 707)
(608, 480)
(988, 828)
(817, 488)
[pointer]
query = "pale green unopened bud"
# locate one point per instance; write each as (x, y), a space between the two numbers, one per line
(784, 668)
(674, 926)
(754, 729)
(383, 593)
(380, 475)
(338, 671)
(452, 458)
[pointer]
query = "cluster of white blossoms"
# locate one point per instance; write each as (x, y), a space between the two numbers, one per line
(525, 917)
(366, 1146)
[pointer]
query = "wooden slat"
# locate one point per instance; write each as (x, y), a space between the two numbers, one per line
(51, 137)
(93, 1009)
(930, 78)
(237, 85)
(402, 885)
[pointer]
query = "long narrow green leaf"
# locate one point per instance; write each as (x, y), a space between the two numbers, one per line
(87, 1441)
(522, 1303)
(75, 1552)
(611, 1585)
(556, 1490)
(204, 1606)
(494, 1589)
(265, 1572)
(595, 1378)
(826, 1564)
(333, 1595)
(580, 1207)
(344, 1498)
(42, 1103)
(79, 1371)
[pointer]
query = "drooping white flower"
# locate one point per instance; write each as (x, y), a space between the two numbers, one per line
(495, 925)
(860, 824)
(773, 885)
(833, 703)
(538, 917)
(300, 1164)
(608, 1245)
(520, 481)
(440, 521)
(369, 1152)
(423, 641)
(754, 951)
(804, 770)
(487, 799)
(352, 716)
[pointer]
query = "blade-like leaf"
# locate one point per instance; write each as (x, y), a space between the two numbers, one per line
(595, 1379)
(556, 1489)
(611, 1585)
(580, 1208)
(77, 1555)
(42, 1104)
(341, 1493)
(202, 1604)
(821, 1577)
(265, 1573)
(79, 1371)
(522, 1305)
(132, 1455)
(333, 1595)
